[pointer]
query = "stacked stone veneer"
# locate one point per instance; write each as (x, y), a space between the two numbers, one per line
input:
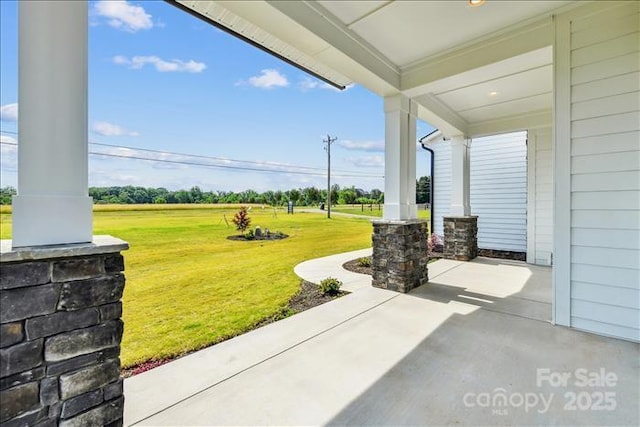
(460, 237)
(60, 341)
(495, 253)
(400, 255)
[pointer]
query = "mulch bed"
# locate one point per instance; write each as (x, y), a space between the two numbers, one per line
(354, 264)
(308, 297)
(270, 236)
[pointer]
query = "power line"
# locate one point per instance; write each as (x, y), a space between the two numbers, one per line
(242, 168)
(350, 174)
(276, 164)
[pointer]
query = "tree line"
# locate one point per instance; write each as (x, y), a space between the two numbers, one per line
(308, 196)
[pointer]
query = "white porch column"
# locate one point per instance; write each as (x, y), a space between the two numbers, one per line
(52, 205)
(460, 172)
(400, 158)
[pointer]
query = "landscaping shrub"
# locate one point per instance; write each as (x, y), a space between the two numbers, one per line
(365, 261)
(329, 286)
(435, 243)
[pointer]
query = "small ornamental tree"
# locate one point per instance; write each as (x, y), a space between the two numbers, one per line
(241, 219)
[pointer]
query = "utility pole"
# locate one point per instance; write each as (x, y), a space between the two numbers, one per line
(327, 148)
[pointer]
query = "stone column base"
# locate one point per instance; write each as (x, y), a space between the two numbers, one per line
(400, 254)
(60, 333)
(460, 237)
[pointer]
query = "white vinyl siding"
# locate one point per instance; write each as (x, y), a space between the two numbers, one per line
(498, 191)
(540, 187)
(442, 184)
(605, 172)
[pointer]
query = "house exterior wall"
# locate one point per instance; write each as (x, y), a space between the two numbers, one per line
(499, 191)
(597, 169)
(540, 197)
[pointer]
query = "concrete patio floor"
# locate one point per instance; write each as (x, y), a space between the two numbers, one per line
(473, 347)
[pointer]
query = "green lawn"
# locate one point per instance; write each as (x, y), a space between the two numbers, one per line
(188, 286)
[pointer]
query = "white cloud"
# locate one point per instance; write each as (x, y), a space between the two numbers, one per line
(377, 146)
(99, 177)
(374, 161)
(268, 79)
(161, 65)
(9, 112)
(8, 153)
(109, 129)
(121, 60)
(122, 15)
(308, 84)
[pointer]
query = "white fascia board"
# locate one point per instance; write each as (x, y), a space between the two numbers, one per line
(323, 24)
(514, 41)
(533, 120)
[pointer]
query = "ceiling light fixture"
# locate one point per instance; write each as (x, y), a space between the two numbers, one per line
(494, 93)
(474, 3)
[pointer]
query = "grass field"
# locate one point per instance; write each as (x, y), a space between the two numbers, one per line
(373, 211)
(188, 286)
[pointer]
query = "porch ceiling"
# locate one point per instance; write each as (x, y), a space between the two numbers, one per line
(406, 32)
(465, 66)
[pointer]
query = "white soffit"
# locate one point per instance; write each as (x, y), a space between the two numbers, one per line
(221, 12)
(409, 31)
(517, 86)
(351, 12)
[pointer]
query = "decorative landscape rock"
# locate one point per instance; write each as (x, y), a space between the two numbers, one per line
(266, 235)
(60, 335)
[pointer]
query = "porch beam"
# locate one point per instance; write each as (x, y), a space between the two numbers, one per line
(534, 120)
(52, 205)
(400, 158)
(460, 173)
(439, 115)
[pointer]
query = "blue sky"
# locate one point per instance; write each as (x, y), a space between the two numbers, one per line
(162, 80)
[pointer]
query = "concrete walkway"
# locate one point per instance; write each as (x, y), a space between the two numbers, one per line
(318, 269)
(474, 346)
